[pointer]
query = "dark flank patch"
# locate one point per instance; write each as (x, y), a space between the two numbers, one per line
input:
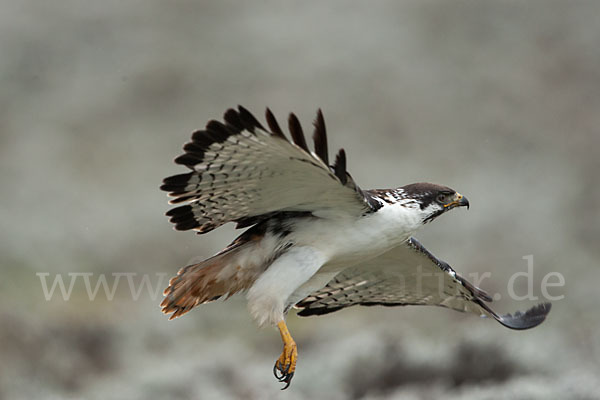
(281, 223)
(256, 232)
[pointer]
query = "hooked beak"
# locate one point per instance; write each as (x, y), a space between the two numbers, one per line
(459, 201)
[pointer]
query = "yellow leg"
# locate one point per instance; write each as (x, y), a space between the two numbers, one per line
(286, 364)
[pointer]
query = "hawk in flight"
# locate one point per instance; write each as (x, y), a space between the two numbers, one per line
(315, 240)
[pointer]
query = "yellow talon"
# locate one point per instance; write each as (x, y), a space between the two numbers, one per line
(286, 364)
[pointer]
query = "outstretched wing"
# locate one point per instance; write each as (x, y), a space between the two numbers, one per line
(410, 275)
(243, 173)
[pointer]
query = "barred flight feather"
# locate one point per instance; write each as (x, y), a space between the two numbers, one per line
(410, 275)
(241, 172)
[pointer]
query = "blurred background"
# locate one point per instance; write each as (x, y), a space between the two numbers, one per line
(499, 100)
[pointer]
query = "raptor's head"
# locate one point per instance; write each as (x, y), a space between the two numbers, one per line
(432, 200)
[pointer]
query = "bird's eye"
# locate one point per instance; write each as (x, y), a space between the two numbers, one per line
(441, 198)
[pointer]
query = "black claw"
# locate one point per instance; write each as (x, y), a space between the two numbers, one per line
(275, 369)
(287, 381)
(283, 378)
(283, 375)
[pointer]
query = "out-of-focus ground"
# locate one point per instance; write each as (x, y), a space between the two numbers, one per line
(500, 100)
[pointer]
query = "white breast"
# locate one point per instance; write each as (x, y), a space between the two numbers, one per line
(347, 241)
(322, 247)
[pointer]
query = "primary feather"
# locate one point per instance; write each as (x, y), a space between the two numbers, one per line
(240, 171)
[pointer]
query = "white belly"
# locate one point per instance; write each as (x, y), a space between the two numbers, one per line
(321, 249)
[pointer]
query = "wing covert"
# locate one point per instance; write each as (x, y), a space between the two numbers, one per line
(410, 275)
(243, 173)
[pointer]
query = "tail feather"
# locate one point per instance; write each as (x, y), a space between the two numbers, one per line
(221, 275)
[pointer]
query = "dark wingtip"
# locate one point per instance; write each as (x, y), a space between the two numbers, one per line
(529, 319)
(297, 133)
(340, 166)
(273, 124)
(248, 120)
(232, 118)
(320, 138)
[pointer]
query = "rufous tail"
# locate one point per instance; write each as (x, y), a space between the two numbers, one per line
(201, 283)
